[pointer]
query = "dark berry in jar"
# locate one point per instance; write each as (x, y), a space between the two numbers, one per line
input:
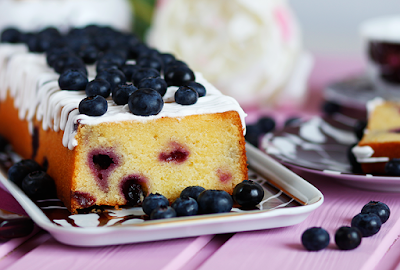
(192, 192)
(200, 89)
(248, 193)
(347, 238)
(93, 106)
(145, 102)
(39, 185)
(214, 201)
(355, 165)
(129, 70)
(392, 167)
(113, 76)
(185, 206)
(378, 208)
(368, 224)
(72, 80)
(330, 108)
(121, 93)
(177, 76)
(21, 169)
(315, 239)
(266, 124)
(157, 84)
(98, 87)
(359, 128)
(186, 95)
(253, 134)
(152, 201)
(10, 35)
(162, 212)
(149, 62)
(144, 73)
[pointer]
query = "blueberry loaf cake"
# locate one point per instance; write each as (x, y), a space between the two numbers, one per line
(113, 120)
(381, 140)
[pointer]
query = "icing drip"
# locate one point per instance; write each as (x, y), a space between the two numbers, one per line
(34, 87)
(364, 154)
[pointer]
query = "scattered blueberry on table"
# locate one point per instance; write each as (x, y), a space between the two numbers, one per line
(315, 239)
(368, 224)
(379, 208)
(348, 238)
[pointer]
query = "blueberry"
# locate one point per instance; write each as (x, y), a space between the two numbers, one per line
(133, 193)
(162, 212)
(330, 107)
(129, 70)
(152, 201)
(185, 206)
(88, 53)
(102, 65)
(114, 76)
(359, 128)
(266, 124)
(186, 95)
(167, 58)
(192, 192)
(378, 208)
(143, 73)
(315, 238)
(392, 167)
(347, 238)
(248, 193)
(121, 93)
(98, 87)
(157, 84)
(93, 106)
(178, 76)
(174, 64)
(39, 185)
(145, 102)
(253, 134)
(149, 62)
(114, 57)
(138, 49)
(3, 144)
(355, 165)
(200, 89)
(56, 54)
(72, 80)
(214, 201)
(10, 35)
(33, 43)
(368, 224)
(21, 169)
(68, 61)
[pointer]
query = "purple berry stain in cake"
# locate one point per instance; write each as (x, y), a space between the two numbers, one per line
(132, 188)
(102, 162)
(224, 175)
(395, 130)
(176, 153)
(83, 199)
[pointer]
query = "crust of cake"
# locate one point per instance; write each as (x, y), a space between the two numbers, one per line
(74, 175)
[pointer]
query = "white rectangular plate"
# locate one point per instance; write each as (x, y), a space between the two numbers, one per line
(288, 200)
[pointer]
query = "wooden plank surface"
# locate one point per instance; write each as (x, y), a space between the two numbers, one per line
(282, 248)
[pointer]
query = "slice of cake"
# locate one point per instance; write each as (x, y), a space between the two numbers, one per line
(107, 159)
(381, 140)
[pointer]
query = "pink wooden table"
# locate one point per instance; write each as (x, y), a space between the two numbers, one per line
(267, 249)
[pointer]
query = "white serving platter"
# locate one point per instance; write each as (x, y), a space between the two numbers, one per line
(288, 200)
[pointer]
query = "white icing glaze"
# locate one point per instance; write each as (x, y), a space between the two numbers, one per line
(311, 131)
(382, 29)
(373, 103)
(364, 154)
(258, 43)
(34, 87)
(63, 14)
